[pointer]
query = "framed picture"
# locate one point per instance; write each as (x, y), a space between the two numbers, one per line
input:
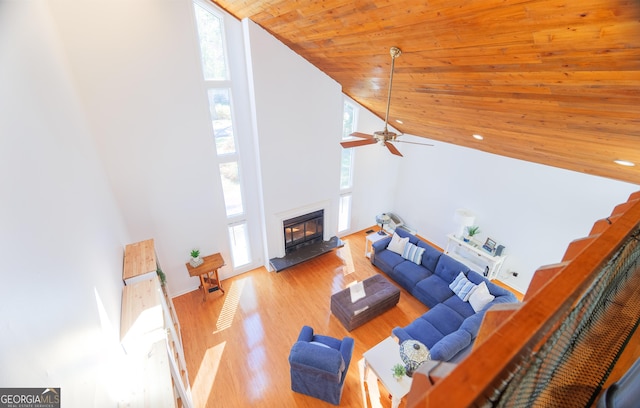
(489, 245)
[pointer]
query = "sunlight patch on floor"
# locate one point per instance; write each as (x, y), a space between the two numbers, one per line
(344, 253)
(259, 379)
(256, 357)
(230, 307)
(203, 382)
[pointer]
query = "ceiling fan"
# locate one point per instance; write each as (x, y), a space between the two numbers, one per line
(384, 137)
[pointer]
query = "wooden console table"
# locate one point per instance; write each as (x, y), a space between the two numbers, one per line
(208, 273)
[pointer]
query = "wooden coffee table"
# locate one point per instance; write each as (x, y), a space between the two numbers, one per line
(376, 365)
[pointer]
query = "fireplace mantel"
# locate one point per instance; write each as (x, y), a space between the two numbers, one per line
(279, 218)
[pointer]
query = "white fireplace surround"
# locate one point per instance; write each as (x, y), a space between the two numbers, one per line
(280, 217)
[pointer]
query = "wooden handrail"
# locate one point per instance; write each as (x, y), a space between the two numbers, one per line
(546, 303)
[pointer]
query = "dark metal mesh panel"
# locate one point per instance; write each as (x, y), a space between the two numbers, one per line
(573, 364)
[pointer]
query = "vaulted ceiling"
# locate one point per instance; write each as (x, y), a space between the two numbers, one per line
(555, 82)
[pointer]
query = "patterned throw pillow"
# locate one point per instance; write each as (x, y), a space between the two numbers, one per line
(413, 253)
(462, 287)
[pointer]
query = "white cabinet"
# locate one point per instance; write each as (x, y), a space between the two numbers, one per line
(150, 335)
(474, 256)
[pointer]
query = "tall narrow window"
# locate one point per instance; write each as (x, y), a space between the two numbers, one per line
(344, 213)
(211, 34)
(231, 188)
(346, 169)
(239, 238)
(348, 125)
(219, 84)
(220, 108)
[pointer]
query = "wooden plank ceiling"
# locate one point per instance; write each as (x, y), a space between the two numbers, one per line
(555, 82)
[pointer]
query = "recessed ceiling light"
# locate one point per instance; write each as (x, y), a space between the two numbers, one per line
(478, 137)
(624, 163)
(399, 121)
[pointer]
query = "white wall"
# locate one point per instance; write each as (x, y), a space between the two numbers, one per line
(138, 71)
(105, 139)
(375, 175)
(535, 211)
(61, 233)
(298, 116)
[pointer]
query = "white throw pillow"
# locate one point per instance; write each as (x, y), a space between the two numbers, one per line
(480, 297)
(397, 244)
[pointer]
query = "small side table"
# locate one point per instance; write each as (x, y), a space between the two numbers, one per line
(380, 359)
(208, 273)
(370, 240)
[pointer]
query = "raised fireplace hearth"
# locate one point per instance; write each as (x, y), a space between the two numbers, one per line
(304, 240)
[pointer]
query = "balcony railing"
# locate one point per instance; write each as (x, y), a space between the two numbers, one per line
(557, 347)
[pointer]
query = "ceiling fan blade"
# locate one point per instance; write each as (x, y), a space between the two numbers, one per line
(393, 149)
(418, 143)
(362, 135)
(355, 143)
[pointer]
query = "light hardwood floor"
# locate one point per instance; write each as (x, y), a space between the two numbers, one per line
(237, 344)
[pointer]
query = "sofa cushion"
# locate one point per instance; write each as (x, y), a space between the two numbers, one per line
(464, 309)
(397, 244)
(475, 277)
(472, 324)
(413, 253)
(494, 289)
(408, 274)
(430, 256)
(421, 330)
(406, 234)
(448, 268)
(445, 319)
(480, 297)
(432, 290)
(387, 260)
(450, 345)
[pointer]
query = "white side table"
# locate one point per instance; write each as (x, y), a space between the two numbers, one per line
(370, 240)
(379, 361)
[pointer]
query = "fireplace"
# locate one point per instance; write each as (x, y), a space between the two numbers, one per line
(303, 230)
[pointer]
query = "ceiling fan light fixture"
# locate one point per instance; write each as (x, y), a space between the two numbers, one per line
(382, 137)
(624, 163)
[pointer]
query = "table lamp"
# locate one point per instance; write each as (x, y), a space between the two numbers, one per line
(382, 219)
(464, 218)
(413, 353)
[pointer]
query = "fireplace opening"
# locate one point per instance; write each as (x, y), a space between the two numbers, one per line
(303, 230)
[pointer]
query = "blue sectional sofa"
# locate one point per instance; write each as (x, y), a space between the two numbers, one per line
(451, 325)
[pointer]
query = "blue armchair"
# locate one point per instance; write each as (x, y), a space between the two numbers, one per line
(319, 365)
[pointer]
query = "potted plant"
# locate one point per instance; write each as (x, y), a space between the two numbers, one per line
(398, 371)
(471, 231)
(162, 276)
(195, 258)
